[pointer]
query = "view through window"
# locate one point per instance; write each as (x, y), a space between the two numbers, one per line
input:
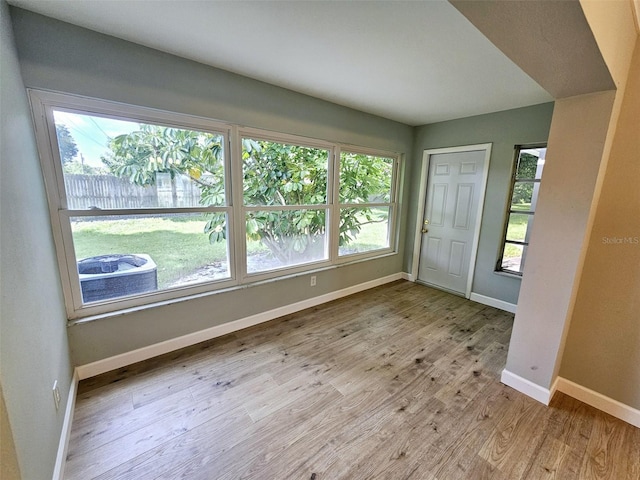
(366, 193)
(520, 214)
(146, 207)
(124, 182)
(285, 200)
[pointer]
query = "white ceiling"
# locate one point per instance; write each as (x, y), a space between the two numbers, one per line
(416, 62)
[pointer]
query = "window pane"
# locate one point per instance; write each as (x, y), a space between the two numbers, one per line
(527, 165)
(279, 239)
(127, 255)
(281, 174)
(365, 178)
(111, 164)
(518, 225)
(530, 163)
(512, 258)
(363, 229)
(522, 196)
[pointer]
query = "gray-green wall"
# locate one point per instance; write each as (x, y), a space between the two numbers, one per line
(33, 344)
(62, 57)
(504, 130)
(59, 56)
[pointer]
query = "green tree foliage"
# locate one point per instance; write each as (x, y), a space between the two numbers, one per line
(139, 155)
(274, 175)
(153, 149)
(78, 167)
(525, 170)
(363, 179)
(66, 143)
(527, 166)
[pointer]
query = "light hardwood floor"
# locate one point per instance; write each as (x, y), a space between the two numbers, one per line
(397, 382)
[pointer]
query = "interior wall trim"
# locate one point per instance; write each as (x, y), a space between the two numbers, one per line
(530, 389)
(65, 434)
(597, 400)
(624, 412)
(493, 302)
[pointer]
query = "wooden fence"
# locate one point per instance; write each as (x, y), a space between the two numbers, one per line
(111, 192)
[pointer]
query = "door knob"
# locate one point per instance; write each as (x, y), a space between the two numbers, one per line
(424, 230)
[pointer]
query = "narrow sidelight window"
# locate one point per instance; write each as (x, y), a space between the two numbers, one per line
(525, 184)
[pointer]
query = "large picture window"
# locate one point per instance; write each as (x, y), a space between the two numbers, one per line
(529, 163)
(148, 206)
(285, 202)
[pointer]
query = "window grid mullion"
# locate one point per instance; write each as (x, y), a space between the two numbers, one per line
(238, 235)
(334, 214)
(140, 211)
(516, 242)
(269, 208)
(367, 204)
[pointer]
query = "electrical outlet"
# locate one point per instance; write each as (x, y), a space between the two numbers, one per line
(313, 280)
(56, 394)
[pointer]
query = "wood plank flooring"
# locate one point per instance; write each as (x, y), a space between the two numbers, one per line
(398, 382)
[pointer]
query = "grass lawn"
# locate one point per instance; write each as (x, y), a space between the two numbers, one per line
(176, 243)
(517, 229)
(372, 236)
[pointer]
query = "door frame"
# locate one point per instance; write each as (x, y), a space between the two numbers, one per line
(422, 196)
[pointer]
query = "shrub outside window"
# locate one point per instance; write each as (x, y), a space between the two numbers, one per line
(525, 185)
(366, 194)
(149, 206)
(285, 203)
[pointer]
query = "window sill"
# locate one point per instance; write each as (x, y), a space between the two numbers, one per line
(508, 275)
(186, 298)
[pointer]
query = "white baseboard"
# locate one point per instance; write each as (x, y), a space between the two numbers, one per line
(63, 445)
(408, 276)
(530, 389)
(599, 401)
(144, 353)
(493, 302)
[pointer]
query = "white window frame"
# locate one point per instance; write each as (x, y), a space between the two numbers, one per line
(43, 103)
(509, 210)
(392, 204)
(242, 209)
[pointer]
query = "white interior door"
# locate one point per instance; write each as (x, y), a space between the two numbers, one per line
(451, 220)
